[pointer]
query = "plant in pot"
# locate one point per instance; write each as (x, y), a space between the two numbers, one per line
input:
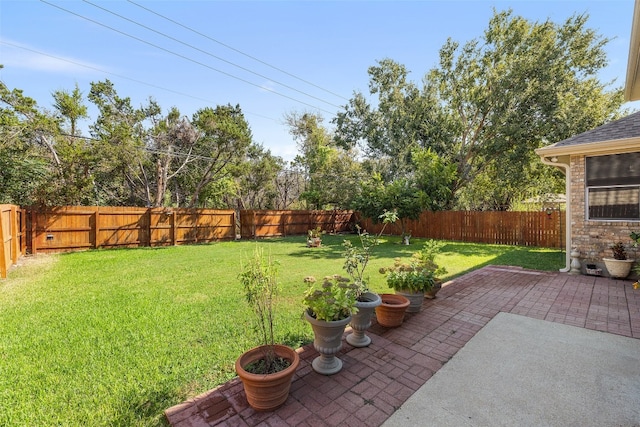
(415, 278)
(266, 371)
(427, 258)
(329, 306)
(619, 266)
(314, 237)
(356, 259)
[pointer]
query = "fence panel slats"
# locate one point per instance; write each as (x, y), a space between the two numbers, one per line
(12, 236)
(495, 227)
(274, 223)
(85, 227)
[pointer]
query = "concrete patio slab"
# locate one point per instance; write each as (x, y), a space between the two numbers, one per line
(519, 371)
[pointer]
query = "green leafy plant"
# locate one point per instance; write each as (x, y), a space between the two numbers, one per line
(419, 274)
(357, 258)
(333, 299)
(315, 233)
(259, 280)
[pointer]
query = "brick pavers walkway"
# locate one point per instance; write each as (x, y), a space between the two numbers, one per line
(376, 380)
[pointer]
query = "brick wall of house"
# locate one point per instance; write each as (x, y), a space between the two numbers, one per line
(593, 239)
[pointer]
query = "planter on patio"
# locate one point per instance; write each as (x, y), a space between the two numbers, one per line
(390, 313)
(361, 321)
(415, 299)
(618, 268)
(431, 293)
(327, 340)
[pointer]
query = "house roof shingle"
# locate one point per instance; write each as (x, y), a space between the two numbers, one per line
(626, 127)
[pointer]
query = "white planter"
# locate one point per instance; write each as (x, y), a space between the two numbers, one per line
(618, 268)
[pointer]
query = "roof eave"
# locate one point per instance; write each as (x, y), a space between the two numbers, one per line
(626, 145)
(632, 83)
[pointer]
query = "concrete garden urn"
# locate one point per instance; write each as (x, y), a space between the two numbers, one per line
(361, 321)
(415, 299)
(327, 340)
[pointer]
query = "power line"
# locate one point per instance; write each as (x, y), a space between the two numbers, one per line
(125, 77)
(238, 51)
(185, 57)
(210, 54)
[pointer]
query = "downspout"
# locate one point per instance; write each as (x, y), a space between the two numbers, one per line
(567, 173)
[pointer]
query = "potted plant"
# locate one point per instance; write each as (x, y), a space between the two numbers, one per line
(427, 257)
(414, 278)
(356, 259)
(266, 371)
(390, 312)
(314, 237)
(619, 266)
(329, 307)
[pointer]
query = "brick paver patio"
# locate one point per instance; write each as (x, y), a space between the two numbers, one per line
(376, 380)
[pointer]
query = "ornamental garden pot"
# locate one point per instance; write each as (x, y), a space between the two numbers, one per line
(415, 299)
(390, 313)
(266, 392)
(618, 268)
(327, 340)
(361, 321)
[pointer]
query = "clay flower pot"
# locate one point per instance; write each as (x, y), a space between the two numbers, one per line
(265, 392)
(390, 313)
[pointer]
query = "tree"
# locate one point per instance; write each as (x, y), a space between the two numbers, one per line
(490, 102)
(224, 137)
(257, 183)
(332, 173)
(119, 145)
(24, 165)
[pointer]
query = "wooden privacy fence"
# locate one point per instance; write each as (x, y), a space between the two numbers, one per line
(496, 227)
(12, 227)
(89, 227)
(266, 223)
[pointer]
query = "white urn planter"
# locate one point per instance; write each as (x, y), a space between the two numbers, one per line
(618, 268)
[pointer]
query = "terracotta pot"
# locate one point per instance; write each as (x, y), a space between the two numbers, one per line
(361, 321)
(267, 392)
(327, 340)
(390, 313)
(431, 294)
(415, 299)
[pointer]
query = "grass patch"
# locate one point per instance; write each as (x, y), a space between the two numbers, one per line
(114, 337)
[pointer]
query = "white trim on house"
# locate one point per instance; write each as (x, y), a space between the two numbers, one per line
(632, 83)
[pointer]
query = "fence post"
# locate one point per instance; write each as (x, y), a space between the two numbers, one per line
(96, 228)
(34, 231)
(3, 266)
(23, 231)
(15, 254)
(174, 227)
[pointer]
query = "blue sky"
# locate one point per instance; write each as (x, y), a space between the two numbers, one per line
(212, 53)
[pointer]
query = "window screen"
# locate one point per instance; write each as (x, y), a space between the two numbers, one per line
(613, 186)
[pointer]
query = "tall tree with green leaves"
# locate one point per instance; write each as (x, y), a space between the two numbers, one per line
(332, 173)
(25, 166)
(119, 143)
(224, 138)
(490, 102)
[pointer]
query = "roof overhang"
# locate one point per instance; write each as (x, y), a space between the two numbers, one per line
(632, 83)
(616, 146)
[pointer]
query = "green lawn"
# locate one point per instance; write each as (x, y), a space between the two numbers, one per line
(114, 337)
